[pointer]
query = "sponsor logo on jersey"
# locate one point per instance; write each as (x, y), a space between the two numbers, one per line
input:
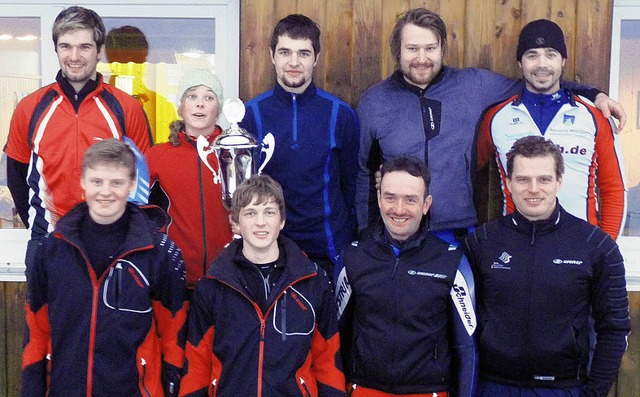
(569, 119)
(343, 291)
(463, 303)
(426, 274)
(502, 261)
(505, 257)
(567, 262)
(573, 150)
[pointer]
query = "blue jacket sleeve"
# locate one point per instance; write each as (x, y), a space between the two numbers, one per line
(349, 136)
(369, 161)
(463, 319)
(497, 87)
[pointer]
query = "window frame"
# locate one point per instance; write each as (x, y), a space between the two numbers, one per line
(629, 245)
(227, 49)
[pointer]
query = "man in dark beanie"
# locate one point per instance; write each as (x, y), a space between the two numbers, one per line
(546, 107)
(541, 33)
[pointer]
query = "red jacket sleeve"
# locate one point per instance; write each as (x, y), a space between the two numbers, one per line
(610, 177)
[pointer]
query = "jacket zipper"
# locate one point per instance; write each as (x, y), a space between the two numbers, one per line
(95, 288)
(261, 355)
(306, 389)
(143, 363)
(395, 267)
(118, 284)
(295, 145)
(202, 219)
(214, 387)
(283, 309)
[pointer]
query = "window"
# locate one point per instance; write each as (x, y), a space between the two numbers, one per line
(19, 76)
(624, 86)
(203, 33)
(146, 56)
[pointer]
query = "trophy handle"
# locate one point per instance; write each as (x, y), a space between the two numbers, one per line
(201, 144)
(268, 147)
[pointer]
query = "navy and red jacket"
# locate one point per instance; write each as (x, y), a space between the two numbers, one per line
(235, 348)
(122, 333)
(538, 283)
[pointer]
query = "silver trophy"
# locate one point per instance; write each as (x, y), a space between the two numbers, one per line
(238, 153)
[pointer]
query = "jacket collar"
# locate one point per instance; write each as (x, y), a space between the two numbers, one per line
(143, 223)
(398, 80)
(380, 235)
(571, 96)
(70, 92)
(534, 228)
(184, 138)
(301, 98)
(226, 267)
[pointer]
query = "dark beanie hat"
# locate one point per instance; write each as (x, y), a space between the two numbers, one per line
(541, 34)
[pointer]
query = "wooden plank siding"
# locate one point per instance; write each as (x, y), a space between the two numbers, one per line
(12, 323)
(481, 33)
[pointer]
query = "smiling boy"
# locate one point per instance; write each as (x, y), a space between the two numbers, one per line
(106, 295)
(263, 320)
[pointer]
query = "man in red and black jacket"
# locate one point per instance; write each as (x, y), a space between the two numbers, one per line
(52, 127)
(106, 293)
(263, 320)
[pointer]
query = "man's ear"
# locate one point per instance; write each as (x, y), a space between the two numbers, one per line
(235, 228)
(427, 204)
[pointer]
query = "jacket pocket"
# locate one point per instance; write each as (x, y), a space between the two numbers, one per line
(127, 289)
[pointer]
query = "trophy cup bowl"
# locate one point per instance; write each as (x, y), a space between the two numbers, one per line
(238, 152)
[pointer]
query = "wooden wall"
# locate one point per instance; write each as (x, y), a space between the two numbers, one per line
(12, 299)
(484, 33)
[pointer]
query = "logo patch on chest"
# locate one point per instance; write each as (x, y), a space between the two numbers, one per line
(567, 262)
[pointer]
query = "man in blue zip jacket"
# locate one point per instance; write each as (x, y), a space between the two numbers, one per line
(541, 273)
(316, 143)
(406, 299)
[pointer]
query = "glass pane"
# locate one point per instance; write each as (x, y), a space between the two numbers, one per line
(19, 76)
(629, 96)
(145, 57)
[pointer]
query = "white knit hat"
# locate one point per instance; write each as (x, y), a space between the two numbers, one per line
(195, 77)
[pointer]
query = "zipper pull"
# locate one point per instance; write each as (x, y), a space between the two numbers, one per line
(118, 284)
(304, 384)
(283, 318)
(395, 268)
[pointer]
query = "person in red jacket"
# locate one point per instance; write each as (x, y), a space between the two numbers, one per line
(263, 321)
(52, 128)
(183, 185)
